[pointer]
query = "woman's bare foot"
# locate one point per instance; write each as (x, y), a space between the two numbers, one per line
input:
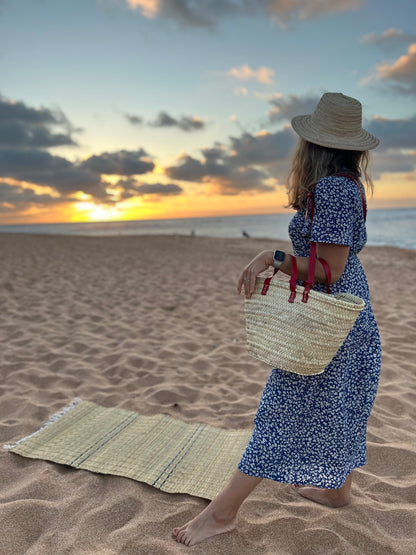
(338, 497)
(322, 496)
(207, 524)
(221, 514)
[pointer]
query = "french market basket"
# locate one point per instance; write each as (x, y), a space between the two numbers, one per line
(295, 328)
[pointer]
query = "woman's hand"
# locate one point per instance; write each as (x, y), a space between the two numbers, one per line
(248, 277)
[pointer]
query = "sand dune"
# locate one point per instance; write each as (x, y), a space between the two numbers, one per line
(154, 324)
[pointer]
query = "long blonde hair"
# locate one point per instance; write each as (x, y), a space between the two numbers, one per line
(311, 162)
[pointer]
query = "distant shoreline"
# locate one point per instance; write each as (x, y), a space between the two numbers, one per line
(239, 242)
(393, 227)
(190, 218)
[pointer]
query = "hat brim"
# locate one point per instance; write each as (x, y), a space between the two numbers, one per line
(304, 127)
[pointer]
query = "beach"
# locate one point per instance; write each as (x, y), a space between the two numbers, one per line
(154, 324)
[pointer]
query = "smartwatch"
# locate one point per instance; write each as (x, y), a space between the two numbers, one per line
(278, 258)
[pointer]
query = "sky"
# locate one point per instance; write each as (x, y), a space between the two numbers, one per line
(148, 109)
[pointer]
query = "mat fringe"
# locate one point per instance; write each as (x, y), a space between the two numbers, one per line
(51, 420)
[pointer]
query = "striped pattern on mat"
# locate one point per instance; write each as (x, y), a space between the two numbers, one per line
(159, 450)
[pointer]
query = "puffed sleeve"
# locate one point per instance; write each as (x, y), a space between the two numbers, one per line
(334, 217)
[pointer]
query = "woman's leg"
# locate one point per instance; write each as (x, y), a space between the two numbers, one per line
(220, 515)
(337, 497)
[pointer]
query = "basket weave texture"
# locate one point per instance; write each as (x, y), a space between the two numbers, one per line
(298, 337)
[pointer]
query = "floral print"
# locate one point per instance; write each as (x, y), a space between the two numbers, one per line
(312, 429)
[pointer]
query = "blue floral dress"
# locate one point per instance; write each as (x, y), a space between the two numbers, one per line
(312, 429)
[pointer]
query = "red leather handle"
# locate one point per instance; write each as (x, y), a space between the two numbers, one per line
(294, 276)
(266, 283)
(292, 283)
(311, 273)
(327, 273)
(293, 279)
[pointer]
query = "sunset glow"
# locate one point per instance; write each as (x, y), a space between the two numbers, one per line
(187, 113)
(97, 212)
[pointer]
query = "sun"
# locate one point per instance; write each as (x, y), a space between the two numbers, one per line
(98, 212)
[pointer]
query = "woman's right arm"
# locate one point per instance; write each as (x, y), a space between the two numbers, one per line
(334, 255)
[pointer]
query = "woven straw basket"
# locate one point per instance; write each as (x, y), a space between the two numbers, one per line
(295, 328)
(300, 337)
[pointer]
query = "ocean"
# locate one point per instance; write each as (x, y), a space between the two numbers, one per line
(396, 228)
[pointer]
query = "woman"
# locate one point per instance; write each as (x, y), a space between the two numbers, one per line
(310, 431)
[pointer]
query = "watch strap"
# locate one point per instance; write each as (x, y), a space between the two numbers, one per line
(278, 259)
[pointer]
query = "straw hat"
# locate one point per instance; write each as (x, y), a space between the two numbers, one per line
(335, 123)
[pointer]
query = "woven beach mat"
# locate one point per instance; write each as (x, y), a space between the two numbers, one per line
(159, 450)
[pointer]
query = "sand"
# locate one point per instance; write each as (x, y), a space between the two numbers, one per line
(154, 325)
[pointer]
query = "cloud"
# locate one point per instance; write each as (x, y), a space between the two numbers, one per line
(259, 162)
(210, 12)
(245, 73)
(241, 91)
(397, 150)
(239, 180)
(389, 37)
(285, 108)
(134, 120)
(189, 168)
(24, 159)
(186, 123)
(163, 119)
(17, 197)
(65, 177)
(24, 127)
(25, 133)
(223, 176)
(149, 8)
(263, 148)
(18, 111)
(248, 164)
(392, 162)
(131, 188)
(287, 10)
(401, 73)
(42, 168)
(122, 162)
(270, 151)
(394, 133)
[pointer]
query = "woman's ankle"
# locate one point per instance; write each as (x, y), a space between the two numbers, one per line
(228, 502)
(223, 511)
(339, 500)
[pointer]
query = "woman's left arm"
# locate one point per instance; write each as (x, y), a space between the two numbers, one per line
(334, 255)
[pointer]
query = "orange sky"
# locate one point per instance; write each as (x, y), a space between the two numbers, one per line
(393, 191)
(157, 112)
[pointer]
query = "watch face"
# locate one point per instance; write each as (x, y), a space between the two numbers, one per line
(279, 256)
